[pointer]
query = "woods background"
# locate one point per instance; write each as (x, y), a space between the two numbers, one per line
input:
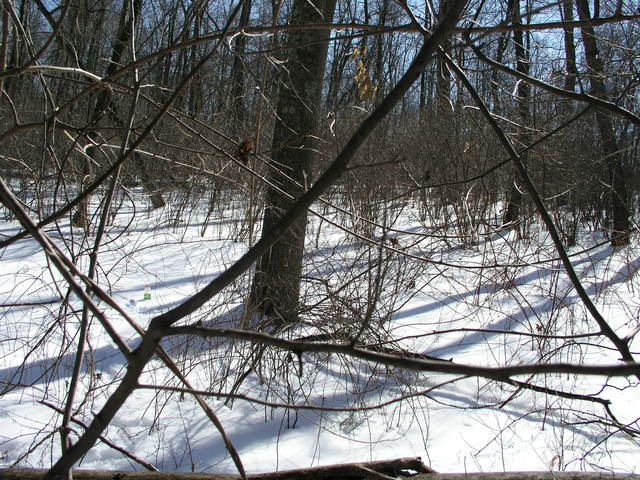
(479, 116)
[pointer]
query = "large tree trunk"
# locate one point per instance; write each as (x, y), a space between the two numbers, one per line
(276, 285)
(619, 196)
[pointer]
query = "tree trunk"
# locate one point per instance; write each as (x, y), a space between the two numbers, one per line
(570, 48)
(444, 106)
(619, 197)
(523, 92)
(276, 285)
(237, 75)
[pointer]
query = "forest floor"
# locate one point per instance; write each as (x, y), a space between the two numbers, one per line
(497, 300)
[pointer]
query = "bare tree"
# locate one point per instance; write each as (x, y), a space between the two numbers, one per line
(276, 286)
(610, 148)
(523, 92)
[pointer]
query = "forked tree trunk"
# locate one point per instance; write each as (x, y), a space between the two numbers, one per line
(619, 197)
(276, 285)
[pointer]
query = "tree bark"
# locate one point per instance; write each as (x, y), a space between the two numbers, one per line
(276, 284)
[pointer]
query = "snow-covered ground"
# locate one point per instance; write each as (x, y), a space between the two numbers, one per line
(424, 304)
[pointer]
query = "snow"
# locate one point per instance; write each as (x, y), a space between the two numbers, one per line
(455, 424)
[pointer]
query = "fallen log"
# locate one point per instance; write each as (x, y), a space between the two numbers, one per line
(387, 469)
(376, 470)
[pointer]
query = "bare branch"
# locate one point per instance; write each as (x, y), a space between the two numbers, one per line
(494, 373)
